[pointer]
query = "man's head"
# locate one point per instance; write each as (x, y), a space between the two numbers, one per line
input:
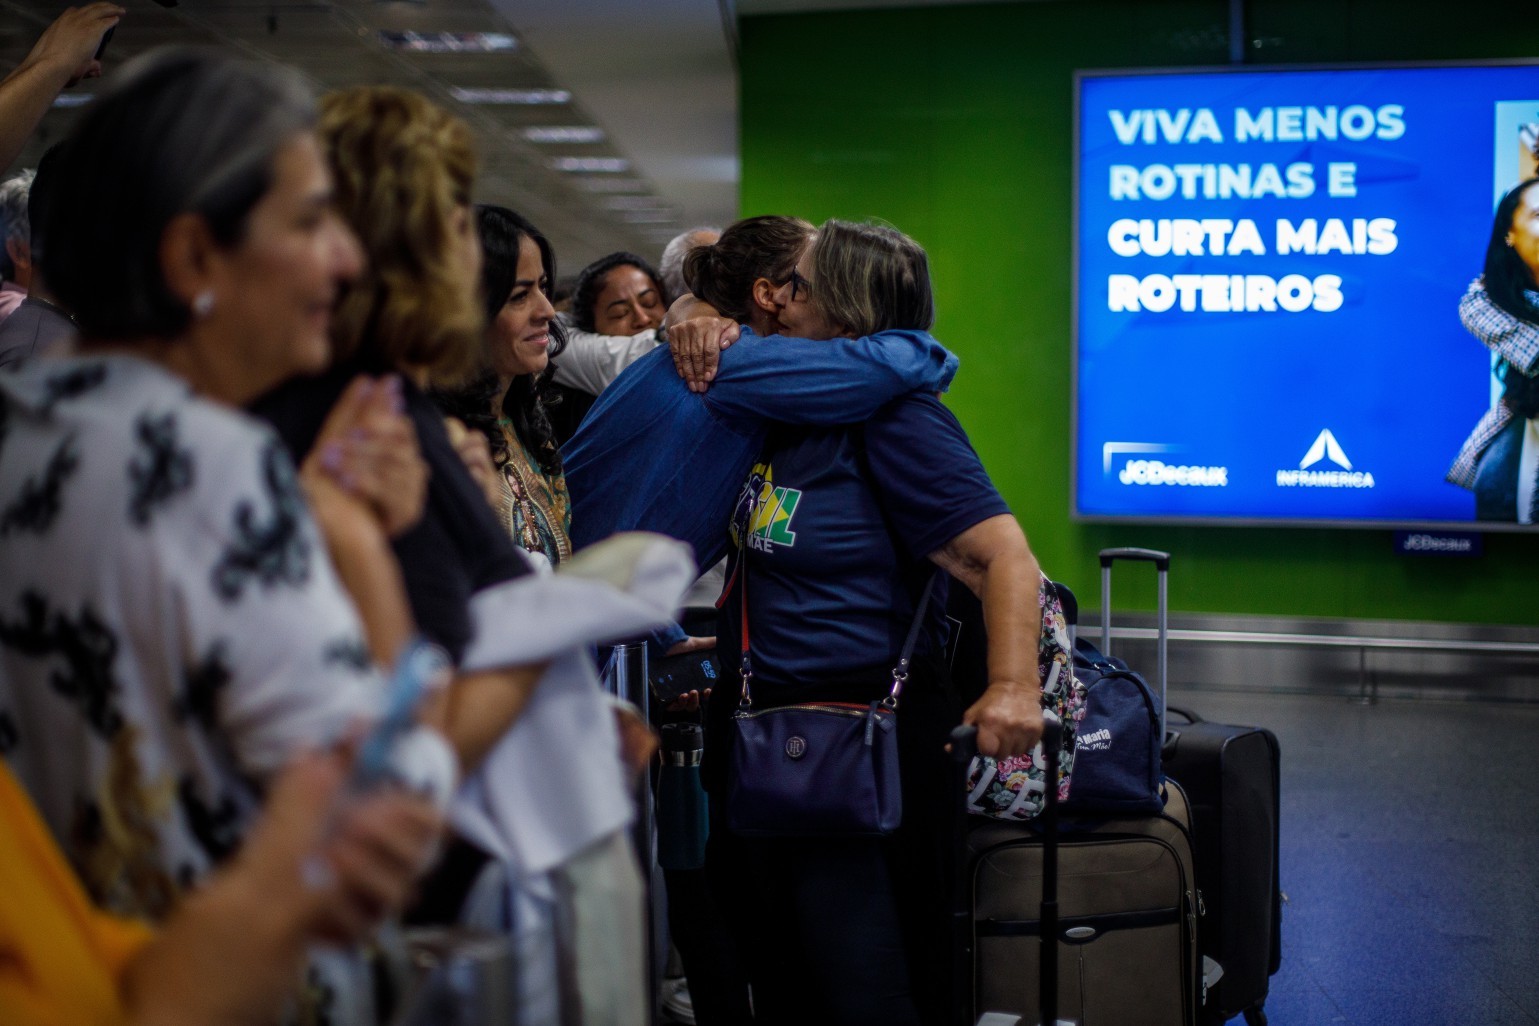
(671, 267)
(16, 261)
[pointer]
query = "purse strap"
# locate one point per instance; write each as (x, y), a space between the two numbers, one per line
(899, 671)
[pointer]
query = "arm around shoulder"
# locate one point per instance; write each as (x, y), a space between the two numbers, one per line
(591, 362)
(838, 381)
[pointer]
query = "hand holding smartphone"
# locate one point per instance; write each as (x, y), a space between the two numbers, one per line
(675, 676)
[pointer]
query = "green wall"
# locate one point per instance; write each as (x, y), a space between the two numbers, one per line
(954, 124)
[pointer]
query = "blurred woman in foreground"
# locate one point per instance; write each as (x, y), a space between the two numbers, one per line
(173, 622)
(404, 170)
(171, 628)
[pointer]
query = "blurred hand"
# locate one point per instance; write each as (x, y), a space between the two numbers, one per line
(369, 851)
(696, 345)
(688, 702)
(368, 448)
(476, 453)
(71, 42)
(310, 870)
(638, 741)
(1009, 719)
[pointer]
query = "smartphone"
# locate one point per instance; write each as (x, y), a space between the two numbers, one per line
(418, 671)
(674, 676)
(106, 38)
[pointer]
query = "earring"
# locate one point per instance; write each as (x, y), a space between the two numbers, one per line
(203, 303)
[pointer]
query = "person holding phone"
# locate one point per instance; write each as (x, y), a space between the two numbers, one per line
(69, 50)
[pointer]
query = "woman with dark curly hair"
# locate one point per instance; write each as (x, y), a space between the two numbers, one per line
(618, 294)
(1500, 460)
(617, 308)
(506, 400)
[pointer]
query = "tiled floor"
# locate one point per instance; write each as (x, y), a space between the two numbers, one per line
(1410, 858)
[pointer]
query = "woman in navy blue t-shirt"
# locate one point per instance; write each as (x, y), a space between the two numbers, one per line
(848, 525)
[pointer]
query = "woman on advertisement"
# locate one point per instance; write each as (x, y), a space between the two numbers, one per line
(1500, 460)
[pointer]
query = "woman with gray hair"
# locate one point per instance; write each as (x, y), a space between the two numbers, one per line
(838, 534)
(173, 621)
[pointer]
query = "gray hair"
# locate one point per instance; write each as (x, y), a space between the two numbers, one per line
(671, 267)
(871, 277)
(13, 216)
(176, 131)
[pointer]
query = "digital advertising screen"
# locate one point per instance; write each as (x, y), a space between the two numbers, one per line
(1269, 267)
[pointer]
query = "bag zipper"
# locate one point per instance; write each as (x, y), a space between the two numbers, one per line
(833, 708)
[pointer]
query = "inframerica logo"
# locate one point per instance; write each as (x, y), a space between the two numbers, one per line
(1325, 447)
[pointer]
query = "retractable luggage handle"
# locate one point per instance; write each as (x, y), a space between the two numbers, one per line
(963, 747)
(1047, 968)
(1161, 561)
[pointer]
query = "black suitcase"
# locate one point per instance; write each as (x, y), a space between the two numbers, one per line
(1230, 774)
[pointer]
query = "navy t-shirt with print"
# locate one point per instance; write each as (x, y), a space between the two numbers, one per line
(837, 547)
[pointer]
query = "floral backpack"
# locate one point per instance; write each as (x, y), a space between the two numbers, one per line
(1014, 787)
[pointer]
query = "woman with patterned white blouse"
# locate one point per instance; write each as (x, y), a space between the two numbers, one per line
(173, 620)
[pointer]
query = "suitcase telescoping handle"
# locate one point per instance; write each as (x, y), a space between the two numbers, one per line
(1047, 979)
(964, 745)
(1161, 561)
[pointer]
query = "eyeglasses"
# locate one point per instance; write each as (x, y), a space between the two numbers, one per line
(799, 284)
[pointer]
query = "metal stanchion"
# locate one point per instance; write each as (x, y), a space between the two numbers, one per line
(457, 977)
(626, 678)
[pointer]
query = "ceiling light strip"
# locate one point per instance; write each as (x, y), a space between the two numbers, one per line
(564, 134)
(510, 97)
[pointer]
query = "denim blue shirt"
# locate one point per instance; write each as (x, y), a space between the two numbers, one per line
(654, 456)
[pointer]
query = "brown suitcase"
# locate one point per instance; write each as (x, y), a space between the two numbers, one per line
(1127, 929)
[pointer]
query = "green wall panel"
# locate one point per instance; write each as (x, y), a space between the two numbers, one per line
(954, 124)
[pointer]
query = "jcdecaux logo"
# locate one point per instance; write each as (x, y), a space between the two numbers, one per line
(1141, 471)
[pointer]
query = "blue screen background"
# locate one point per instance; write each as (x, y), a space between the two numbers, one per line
(1391, 374)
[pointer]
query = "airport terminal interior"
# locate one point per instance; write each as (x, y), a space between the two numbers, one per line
(1206, 269)
(1410, 893)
